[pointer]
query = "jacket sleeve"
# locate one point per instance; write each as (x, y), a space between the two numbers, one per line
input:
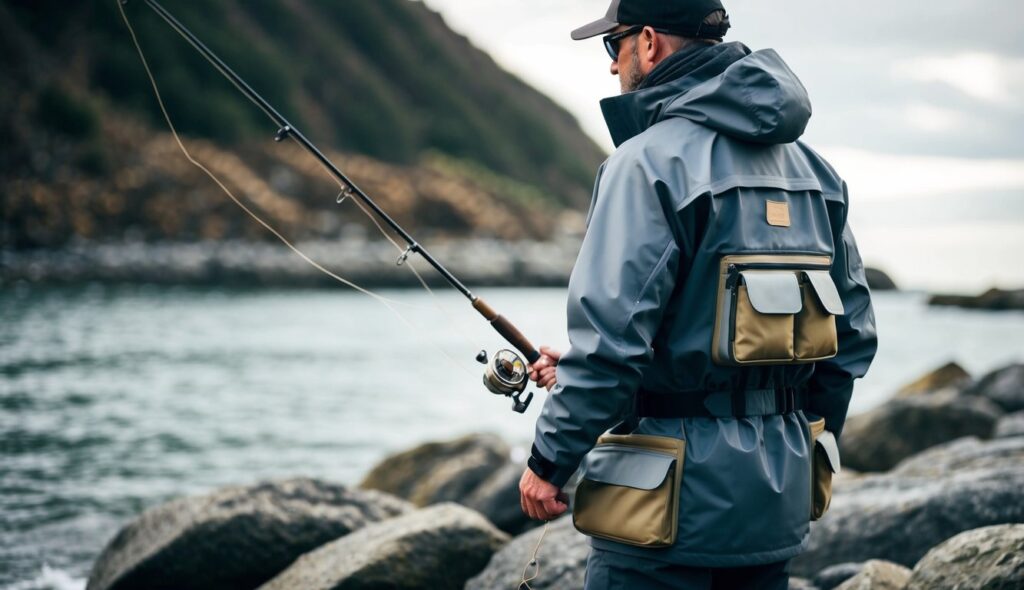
(623, 278)
(831, 384)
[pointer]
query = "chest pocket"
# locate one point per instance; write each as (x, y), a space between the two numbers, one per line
(775, 309)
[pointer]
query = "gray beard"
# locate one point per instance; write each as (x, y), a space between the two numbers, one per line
(636, 77)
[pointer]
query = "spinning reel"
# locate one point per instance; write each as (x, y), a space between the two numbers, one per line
(506, 375)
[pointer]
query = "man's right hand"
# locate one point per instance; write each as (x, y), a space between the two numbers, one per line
(543, 371)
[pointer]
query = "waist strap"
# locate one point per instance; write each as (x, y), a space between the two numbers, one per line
(721, 404)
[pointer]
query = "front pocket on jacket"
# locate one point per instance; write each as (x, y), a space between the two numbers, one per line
(824, 463)
(775, 309)
(630, 490)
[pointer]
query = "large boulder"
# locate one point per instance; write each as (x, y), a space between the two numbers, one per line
(880, 438)
(436, 472)
(1003, 386)
(1010, 425)
(438, 547)
(562, 560)
(877, 574)
(237, 537)
(948, 376)
(900, 517)
(990, 558)
(962, 454)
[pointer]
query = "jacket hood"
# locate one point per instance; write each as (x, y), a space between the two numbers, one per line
(750, 96)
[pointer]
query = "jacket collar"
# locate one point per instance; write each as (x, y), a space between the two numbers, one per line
(630, 114)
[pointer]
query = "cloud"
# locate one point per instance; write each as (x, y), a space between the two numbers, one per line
(984, 76)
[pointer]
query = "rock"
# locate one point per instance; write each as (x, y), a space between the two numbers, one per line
(498, 499)
(880, 438)
(236, 537)
(801, 584)
(1010, 426)
(1003, 386)
(961, 454)
(991, 558)
(437, 547)
(439, 471)
(899, 518)
(834, 575)
(949, 375)
(993, 300)
(562, 557)
(877, 574)
(878, 280)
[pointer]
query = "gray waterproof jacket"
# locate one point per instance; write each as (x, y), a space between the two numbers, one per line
(697, 158)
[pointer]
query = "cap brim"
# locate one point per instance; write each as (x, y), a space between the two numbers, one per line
(598, 27)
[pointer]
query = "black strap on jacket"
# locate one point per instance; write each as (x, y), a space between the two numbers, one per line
(721, 404)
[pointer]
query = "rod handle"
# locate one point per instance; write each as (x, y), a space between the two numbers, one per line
(507, 330)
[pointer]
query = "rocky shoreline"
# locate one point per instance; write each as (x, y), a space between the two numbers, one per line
(936, 504)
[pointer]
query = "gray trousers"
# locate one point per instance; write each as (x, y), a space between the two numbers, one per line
(607, 570)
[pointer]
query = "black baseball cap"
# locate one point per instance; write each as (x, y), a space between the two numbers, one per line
(684, 17)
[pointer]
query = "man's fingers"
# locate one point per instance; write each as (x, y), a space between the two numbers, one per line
(553, 508)
(550, 352)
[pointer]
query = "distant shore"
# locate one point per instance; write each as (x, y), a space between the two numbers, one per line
(477, 261)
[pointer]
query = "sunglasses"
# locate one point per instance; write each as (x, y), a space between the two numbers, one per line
(611, 42)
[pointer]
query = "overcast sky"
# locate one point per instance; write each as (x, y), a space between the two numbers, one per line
(917, 103)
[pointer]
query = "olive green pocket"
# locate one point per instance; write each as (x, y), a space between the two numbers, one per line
(824, 463)
(630, 490)
(775, 309)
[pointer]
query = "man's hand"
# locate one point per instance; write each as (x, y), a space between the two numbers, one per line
(543, 371)
(539, 499)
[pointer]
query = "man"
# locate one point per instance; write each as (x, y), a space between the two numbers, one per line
(707, 165)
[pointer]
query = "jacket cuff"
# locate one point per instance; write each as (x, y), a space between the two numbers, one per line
(548, 470)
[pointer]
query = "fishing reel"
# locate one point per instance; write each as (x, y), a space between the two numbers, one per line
(506, 374)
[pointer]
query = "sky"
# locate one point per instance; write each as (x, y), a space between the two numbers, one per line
(917, 103)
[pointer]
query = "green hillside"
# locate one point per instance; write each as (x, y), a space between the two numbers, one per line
(384, 79)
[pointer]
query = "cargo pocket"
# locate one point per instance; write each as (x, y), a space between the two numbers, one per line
(815, 326)
(629, 491)
(775, 309)
(824, 463)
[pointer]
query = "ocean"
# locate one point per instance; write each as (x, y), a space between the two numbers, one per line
(116, 398)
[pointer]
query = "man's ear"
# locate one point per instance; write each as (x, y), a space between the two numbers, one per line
(648, 48)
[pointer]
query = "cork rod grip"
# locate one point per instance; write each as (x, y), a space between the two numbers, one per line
(507, 330)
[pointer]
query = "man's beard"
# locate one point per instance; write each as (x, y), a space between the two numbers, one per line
(636, 77)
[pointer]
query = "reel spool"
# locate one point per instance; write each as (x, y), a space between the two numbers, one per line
(506, 375)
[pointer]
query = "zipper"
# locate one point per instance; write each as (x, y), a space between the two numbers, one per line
(734, 269)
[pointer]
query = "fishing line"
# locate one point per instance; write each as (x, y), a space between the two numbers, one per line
(524, 580)
(387, 302)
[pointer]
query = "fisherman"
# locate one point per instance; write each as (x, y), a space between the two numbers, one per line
(718, 298)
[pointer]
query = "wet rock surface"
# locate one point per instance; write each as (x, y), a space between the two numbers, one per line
(950, 375)
(1003, 386)
(877, 574)
(879, 439)
(834, 575)
(236, 537)
(991, 558)
(436, 472)
(963, 454)
(1010, 425)
(437, 547)
(900, 517)
(562, 560)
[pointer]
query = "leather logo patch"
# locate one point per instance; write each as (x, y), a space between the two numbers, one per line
(778, 213)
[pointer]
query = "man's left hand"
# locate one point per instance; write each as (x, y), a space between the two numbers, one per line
(540, 499)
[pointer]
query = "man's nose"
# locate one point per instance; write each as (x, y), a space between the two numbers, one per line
(615, 68)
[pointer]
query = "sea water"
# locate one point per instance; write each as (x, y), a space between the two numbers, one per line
(114, 399)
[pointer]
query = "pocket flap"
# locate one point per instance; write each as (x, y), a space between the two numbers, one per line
(827, 441)
(826, 291)
(623, 466)
(773, 292)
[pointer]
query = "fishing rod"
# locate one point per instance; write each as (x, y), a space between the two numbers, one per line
(505, 373)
